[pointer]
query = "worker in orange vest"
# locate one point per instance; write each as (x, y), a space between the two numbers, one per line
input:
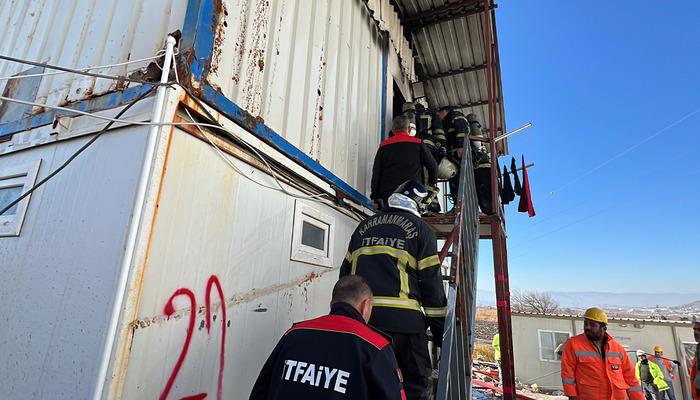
(596, 367)
(694, 373)
(667, 367)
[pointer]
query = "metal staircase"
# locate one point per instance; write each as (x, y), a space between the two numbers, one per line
(461, 232)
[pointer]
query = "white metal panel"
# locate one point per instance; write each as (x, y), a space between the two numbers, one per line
(213, 222)
(82, 33)
(311, 70)
(57, 278)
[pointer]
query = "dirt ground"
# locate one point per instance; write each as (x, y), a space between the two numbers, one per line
(486, 325)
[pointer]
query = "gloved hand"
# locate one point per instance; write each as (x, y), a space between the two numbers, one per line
(441, 148)
(677, 362)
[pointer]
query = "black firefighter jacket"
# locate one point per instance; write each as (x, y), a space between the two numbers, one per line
(400, 158)
(396, 252)
(456, 128)
(336, 356)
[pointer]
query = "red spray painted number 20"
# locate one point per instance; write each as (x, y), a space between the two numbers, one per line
(169, 310)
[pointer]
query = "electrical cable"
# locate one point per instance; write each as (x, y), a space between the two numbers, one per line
(77, 71)
(158, 55)
(253, 149)
(132, 122)
(74, 155)
(223, 156)
(116, 119)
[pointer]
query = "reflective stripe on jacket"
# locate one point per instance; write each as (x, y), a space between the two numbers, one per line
(667, 367)
(656, 373)
(396, 252)
(456, 127)
(586, 375)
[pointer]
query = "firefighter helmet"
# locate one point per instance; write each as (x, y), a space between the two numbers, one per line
(447, 169)
(409, 196)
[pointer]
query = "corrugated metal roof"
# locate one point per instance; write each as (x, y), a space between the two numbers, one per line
(448, 41)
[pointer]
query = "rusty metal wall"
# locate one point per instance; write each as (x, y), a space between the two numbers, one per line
(312, 71)
(213, 226)
(82, 33)
(57, 279)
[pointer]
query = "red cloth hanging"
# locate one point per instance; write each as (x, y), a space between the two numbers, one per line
(525, 204)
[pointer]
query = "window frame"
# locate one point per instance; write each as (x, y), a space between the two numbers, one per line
(539, 342)
(23, 174)
(309, 254)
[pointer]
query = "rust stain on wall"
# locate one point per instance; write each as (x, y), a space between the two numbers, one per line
(220, 24)
(252, 91)
(314, 150)
(240, 40)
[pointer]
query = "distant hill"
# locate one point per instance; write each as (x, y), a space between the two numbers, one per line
(584, 300)
(693, 305)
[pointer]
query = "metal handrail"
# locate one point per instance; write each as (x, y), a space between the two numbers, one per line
(454, 373)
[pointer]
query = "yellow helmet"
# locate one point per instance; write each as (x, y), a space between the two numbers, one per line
(658, 349)
(596, 314)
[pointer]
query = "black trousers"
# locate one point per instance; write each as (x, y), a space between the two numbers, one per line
(482, 180)
(411, 350)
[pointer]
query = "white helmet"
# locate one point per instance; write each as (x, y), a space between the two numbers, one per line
(447, 169)
(409, 196)
(640, 353)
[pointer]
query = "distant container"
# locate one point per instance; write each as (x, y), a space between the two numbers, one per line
(536, 336)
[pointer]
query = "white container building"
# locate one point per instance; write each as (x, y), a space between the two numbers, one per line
(155, 265)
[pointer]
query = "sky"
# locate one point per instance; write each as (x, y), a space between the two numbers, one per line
(613, 91)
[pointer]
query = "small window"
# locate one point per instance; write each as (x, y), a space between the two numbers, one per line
(15, 180)
(549, 341)
(9, 194)
(312, 236)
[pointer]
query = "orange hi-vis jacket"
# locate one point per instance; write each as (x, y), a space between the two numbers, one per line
(587, 375)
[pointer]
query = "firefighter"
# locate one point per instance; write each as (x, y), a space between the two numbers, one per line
(430, 132)
(396, 251)
(456, 128)
(336, 356)
(668, 367)
(481, 159)
(398, 159)
(651, 377)
(694, 370)
(594, 366)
